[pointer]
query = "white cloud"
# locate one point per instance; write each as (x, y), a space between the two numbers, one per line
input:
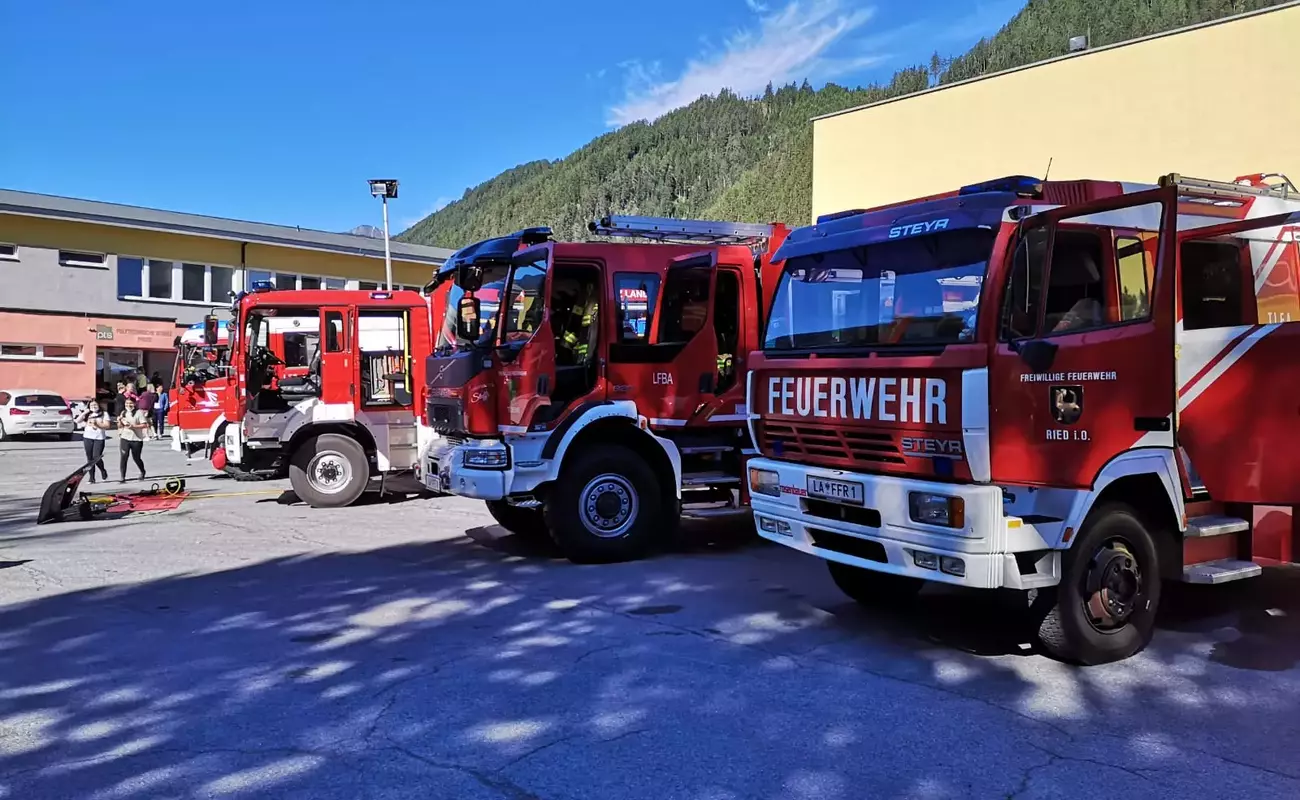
(788, 45)
(407, 223)
(756, 6)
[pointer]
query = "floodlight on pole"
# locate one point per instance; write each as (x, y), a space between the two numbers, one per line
(385, 188)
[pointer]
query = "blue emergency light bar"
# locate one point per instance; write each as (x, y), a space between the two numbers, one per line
(263, 286)
(1022, 185)
(381, 295)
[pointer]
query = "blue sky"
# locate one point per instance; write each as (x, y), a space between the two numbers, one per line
(280, 111)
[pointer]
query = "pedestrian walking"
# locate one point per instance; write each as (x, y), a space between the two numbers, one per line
(132, 428)
(160, 407)
(125, 389)
(94, 436)
(145, 402)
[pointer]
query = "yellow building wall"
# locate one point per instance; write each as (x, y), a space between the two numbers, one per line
(96, 238)
(1214, 102)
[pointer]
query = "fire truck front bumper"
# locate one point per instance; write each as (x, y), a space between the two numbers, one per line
(478, 469)
(950, 533)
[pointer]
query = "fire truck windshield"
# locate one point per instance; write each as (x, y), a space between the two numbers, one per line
(922, 290)
(467, 323)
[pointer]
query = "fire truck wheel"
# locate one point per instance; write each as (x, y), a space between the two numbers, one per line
(1105, 606)
(527, 523)
(605, 508)
(869, 587)
(329, 471)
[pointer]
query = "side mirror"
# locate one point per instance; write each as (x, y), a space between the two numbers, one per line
(467, 321)
(210, 332)
(1037, 354)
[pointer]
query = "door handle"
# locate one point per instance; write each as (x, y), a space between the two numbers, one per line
(1151, 424)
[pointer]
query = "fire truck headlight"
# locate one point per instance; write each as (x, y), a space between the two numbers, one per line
(486, 459)
(937, 509)
(764, 481)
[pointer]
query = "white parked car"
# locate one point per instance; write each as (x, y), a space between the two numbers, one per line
(31, 411)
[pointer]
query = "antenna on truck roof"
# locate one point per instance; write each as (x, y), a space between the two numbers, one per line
(696, 231)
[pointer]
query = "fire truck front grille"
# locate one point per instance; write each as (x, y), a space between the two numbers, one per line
(835, 447)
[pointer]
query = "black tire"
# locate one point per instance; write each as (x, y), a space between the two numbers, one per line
(2, 432)
(871, 588)
(1073, 629)
(527, 523)
(629, 481)
(324, 460)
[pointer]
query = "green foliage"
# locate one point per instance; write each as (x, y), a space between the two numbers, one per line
(750, 159)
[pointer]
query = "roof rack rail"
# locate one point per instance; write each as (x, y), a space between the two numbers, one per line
(1247, 186)
(667, 229)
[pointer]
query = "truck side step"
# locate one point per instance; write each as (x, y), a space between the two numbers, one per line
(695, 450)
(717, 478)
(1221, 571)
(1215, 525)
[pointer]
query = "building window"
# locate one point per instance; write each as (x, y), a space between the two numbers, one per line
(160, 279)
(41, 352)
(194, 279)
(130, 276)
(73, 258)
(61, 351)
(222, 283)
(335, 283)
(155, 279)
(367, 286)
(285, 280)
(309, 282)
(8, 252)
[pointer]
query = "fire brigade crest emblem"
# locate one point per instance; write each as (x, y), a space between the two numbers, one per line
(1067, 404)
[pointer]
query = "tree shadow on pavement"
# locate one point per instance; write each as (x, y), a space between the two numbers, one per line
(458, 670)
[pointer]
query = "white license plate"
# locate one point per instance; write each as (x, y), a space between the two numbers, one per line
(839, 491)
(46, 424)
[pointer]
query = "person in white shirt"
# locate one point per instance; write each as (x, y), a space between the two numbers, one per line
(94, 436)
(132, 429)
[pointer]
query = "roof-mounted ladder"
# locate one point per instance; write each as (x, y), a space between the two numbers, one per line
(1251, 186)
(695, 231)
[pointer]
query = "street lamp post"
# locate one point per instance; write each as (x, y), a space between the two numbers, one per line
(385, 188)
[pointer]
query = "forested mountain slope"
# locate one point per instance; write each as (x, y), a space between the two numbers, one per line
(750, 159)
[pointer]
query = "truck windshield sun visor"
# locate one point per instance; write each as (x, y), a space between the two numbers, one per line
(904, 291)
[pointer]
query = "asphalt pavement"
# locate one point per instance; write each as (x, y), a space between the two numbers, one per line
(245, 645)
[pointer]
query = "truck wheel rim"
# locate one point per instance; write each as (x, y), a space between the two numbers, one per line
(608, 506)
(329, 472)
(1112, 587)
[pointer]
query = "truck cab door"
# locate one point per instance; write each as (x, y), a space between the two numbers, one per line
(683, 333)
(1238, 423)
(336, 369)
(525, 345)
(1084, 363)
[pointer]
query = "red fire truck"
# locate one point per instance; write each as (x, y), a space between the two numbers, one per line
(592, 390)
(1111, 401)
(324, 387)
(198, 388)
(203, 376)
